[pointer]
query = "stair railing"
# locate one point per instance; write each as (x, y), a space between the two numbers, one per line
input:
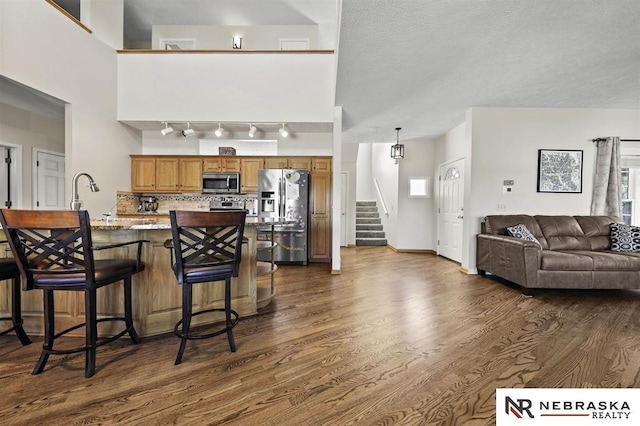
(384, 206)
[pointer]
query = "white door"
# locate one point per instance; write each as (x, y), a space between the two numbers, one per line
(49, 181)
(343, 209)
(450, 210)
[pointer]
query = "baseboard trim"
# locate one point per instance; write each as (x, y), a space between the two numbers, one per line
(422, 251)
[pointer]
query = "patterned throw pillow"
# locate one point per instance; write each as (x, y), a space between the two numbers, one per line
(521, 231)
(625, 238)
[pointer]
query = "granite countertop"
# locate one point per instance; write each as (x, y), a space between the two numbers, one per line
(162, 222)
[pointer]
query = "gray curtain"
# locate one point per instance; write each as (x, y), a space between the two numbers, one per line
(606, 187)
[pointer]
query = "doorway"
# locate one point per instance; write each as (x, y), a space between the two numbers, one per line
(450, 210)
(10, 176)
(344, 197)
(48, 180)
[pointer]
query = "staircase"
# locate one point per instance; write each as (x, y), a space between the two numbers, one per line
(368, 225)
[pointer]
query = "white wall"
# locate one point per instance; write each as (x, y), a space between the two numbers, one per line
(386, 172)
(364, 180)
(505, 144)
(258, 87)
(220, 37)
(106, 19)
(40, 49)
(416, 216)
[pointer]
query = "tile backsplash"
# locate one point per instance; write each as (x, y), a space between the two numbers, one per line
(130, 203)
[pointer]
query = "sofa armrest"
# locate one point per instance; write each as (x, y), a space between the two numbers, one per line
(508, 257)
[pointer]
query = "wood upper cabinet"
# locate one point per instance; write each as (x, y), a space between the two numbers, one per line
(190, 174)
(221, 164)
(249, 174)
(143, 174)
(211, 164)
(167, 174)
(321, 164)
(287, 163)
(320, 223)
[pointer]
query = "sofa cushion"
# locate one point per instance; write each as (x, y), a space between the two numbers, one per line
(563, 233)
(564, 261)
(611, 261)
(625, 238)
(521, 231)
(597, 230)
(498, 224)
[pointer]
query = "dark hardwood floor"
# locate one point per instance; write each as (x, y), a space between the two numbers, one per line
(395, 339)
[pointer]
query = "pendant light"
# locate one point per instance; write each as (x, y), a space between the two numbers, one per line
(397, 150)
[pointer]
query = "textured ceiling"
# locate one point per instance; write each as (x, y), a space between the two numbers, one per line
(420, 64)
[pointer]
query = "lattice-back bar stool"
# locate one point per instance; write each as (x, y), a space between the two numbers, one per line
(9, 271)
(54, 251)
(207, 247)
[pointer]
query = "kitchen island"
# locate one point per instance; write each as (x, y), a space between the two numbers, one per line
(157, 297)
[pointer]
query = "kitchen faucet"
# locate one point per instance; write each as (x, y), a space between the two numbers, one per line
(75, 198)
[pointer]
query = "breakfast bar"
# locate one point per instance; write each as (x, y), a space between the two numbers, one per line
(157, 297)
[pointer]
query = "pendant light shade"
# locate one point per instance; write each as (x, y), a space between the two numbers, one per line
(397, 150)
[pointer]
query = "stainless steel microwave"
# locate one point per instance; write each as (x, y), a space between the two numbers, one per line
(221, 183)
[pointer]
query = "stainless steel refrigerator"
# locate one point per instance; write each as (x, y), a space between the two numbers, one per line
(284, 193)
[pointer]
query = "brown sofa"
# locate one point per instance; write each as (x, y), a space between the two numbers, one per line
(574, 253)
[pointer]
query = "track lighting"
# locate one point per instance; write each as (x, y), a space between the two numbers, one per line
(188, 131)
(284, 132)
(252, 130)
(167, 129)
(219, 130)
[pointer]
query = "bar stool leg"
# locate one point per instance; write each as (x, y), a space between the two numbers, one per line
(91, 318)
(16, 314)
(186, 319)
(128, 316)
(227, 313)
(49, 331)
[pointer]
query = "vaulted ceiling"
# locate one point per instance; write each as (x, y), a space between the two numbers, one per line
(421, 64)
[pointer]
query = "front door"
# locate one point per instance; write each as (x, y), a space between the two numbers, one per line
(450, 210)
(49, 181)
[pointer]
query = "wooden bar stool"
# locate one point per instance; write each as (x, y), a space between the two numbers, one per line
(207, 247)
(54, 251)
(9, 271)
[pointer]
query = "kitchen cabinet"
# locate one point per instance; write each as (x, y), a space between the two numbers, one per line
(190, 179)
(320, 222)
(249, 174)
(143, 174)
(321, 164)
(221, 164)
(287, 163)
(166, 174)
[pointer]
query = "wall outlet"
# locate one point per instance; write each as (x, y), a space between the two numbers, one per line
(502, 207)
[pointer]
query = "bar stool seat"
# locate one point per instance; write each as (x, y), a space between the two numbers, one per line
(9, 271)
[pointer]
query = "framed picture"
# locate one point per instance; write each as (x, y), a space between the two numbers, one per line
(559, 170)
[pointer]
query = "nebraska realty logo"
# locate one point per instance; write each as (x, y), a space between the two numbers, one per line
(569, 406)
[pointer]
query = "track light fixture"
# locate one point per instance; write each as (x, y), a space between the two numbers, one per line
(284, 132)
(188, 131)
(219, 130)
(167, 129)
(252, 130)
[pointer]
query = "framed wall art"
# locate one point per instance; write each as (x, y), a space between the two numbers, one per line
(560, 170)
